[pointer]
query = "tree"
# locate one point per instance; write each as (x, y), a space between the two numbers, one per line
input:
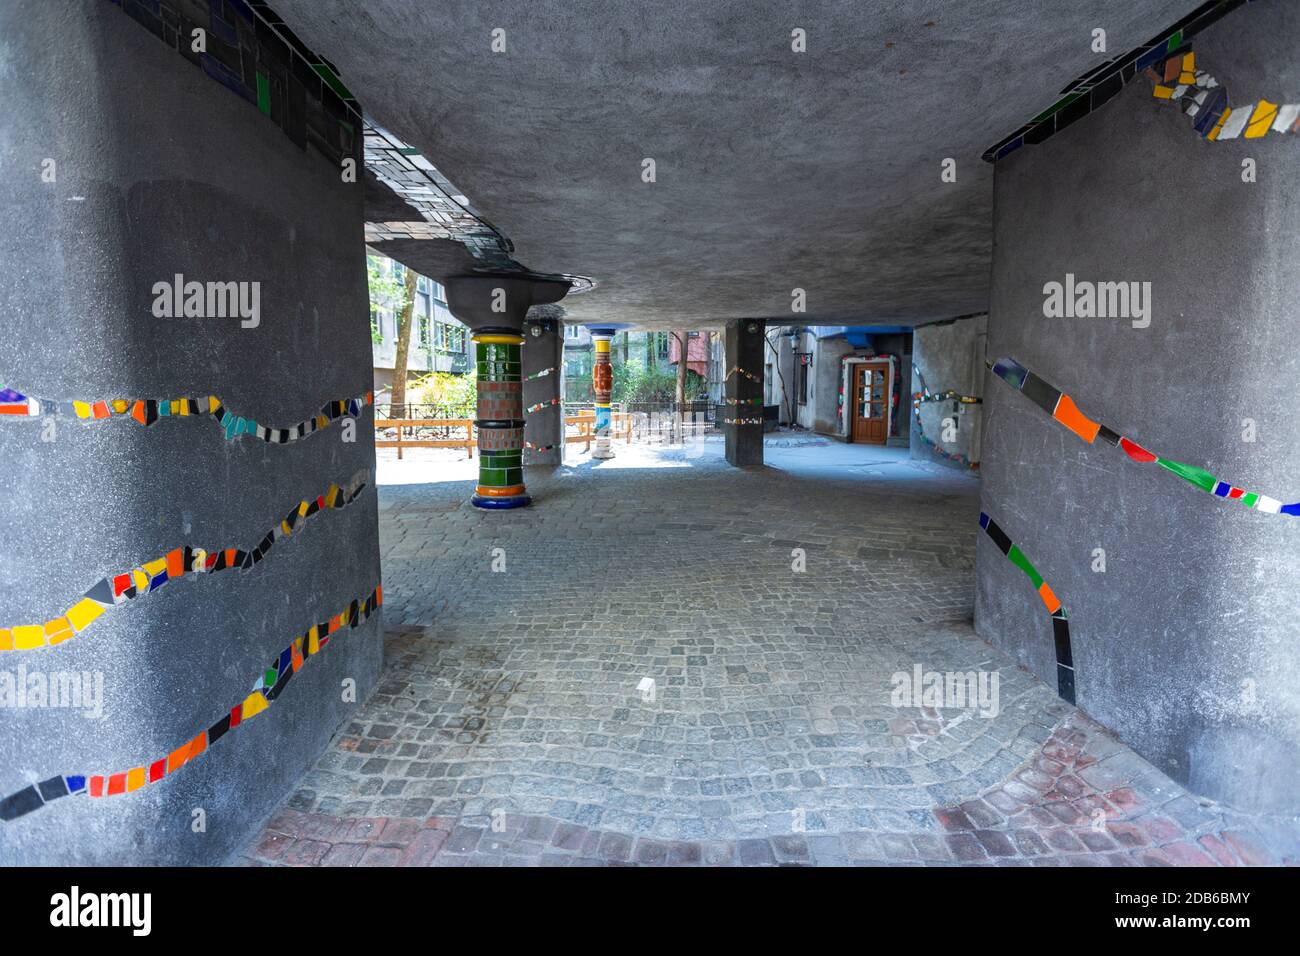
(404, 317)
(683, 340)
(384, 292)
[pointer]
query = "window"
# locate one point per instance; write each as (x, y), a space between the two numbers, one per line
(802, 362)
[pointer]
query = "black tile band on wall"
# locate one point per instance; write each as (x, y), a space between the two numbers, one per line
(1060, 620)
(249, 50)
(1086, 93)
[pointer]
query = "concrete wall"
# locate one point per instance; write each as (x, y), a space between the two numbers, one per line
(950, 355)
(1186, 645)
(161, 170)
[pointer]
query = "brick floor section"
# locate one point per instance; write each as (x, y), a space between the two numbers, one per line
(508, 730)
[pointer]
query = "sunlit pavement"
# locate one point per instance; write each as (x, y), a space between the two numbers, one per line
(771, 607)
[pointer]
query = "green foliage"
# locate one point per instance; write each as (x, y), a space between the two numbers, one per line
(633, 382)
(386, 292)
(446, 389)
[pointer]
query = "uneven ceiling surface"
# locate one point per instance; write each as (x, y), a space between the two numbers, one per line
(775, 170)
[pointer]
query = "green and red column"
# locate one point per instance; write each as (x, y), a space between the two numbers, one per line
(494, 308)
(500, 420)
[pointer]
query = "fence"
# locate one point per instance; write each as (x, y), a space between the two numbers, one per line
(646, 421)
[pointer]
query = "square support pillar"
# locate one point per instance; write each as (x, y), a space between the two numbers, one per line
(743, 409)
(543, 412)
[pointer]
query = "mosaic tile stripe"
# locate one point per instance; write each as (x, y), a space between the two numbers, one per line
(150, 576)
(1100, 84)
(924, 396)
(251, 52)
(1060, 620)
(147, 411)
(1061, 407)
(269, 685)
(1205, 102)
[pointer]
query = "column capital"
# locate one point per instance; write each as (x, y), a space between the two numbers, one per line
(499, 301)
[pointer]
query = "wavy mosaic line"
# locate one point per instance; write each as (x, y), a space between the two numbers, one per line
(1061, 407)
(1060, 621)
(147, 411)
(1206, 102)
(150, 576)
(269, 685)
(924, 396)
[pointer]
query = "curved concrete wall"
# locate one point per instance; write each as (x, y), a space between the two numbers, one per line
(161, 171)
(1186, 644)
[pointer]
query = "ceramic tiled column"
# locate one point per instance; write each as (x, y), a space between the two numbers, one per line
(500, 420)
(602, 381)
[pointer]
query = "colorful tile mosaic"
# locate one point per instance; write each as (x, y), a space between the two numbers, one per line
(150, 576)
(250, 51)
(1060, 621)
(1206, 103)
(500, 420)
(1089, 91)
(1061, 407)
(924, 396)
(147, 411)
(266, 689)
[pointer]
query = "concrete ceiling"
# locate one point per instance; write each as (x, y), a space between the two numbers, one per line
(775, 170)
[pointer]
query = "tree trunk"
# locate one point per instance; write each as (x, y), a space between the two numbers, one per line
(785, 395)
(404, 322)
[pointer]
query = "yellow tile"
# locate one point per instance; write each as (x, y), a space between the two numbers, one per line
(1162, 92)
(213, 402)
(284, 526)
(1189, 60)
(182, 407)
(57, 631)
(313, 640)
(27, 636)
(7, 639)
(81, 408)
(154, 568)
(134, 779)
(1214, 133)
(120, 405)
(1263, 117)
(141, 580)
(302, 509)
(83, 612)
(1188, 78)
(254, 704)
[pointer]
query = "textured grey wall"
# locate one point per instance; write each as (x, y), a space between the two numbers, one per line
(950, 356)
(1198, 605)
(161, 170)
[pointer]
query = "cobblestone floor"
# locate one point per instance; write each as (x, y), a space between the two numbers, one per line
(509, 728)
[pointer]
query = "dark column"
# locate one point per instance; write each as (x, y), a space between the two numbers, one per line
(543, 412)
(234, 453)
(743, 411)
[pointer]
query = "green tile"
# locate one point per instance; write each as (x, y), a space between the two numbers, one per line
(264, 93)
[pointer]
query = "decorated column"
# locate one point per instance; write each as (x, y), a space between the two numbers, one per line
(602, 381)
(743, 418)
(500, 420)
(494, 306)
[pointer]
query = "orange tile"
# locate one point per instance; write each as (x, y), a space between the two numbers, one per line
(1068, 414)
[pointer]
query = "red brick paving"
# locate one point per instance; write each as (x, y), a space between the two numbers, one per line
(1046, 812)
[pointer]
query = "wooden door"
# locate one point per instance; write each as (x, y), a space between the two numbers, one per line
(871, 403)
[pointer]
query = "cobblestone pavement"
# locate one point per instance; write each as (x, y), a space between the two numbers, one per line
(509, 729)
